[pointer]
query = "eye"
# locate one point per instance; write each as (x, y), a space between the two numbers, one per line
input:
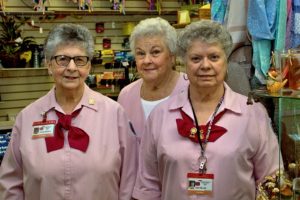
(62, 58)
(155, 52)
(140, 54)
(196, 59)
(214, 57)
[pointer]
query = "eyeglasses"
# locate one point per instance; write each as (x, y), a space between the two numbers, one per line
(64, 61)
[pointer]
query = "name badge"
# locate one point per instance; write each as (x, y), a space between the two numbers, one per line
(43, 129)
(200, 184)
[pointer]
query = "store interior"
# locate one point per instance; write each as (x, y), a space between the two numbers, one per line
(265, 50)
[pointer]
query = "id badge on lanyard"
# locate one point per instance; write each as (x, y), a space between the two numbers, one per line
(200, 184)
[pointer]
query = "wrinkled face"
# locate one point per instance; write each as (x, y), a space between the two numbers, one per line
(206, 64)
(153, 58)
(70, 76)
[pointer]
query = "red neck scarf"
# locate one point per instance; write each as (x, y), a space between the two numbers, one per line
(186, 128)
(78, 138)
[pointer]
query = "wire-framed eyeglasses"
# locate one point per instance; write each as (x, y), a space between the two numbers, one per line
(64, 61)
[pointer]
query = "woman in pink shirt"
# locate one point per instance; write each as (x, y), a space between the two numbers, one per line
(153, 43)
(206, 143)
(73, 143)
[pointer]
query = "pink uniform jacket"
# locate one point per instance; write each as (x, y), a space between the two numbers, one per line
(239, 159)
(106, 171)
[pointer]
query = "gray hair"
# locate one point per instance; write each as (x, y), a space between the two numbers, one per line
(155, 27)
(68, 34)
(206, 31)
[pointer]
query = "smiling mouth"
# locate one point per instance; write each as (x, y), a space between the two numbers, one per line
(205, 76)
(70, 77)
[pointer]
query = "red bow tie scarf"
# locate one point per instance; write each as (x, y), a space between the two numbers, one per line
(186, 128)
(78, 138)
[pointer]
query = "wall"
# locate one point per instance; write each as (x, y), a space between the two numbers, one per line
(62, 11)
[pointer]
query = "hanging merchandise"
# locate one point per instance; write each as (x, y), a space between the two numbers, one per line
(2, 6)
(151, 4)
(288, 36)
(262, 25)
(99, 27)
(106, 43)
(85, 5)
(126, 44)
(218, 10)
(128, 28)
(155, 5)
(293, 26)
(40, 5)
(117, 5)
(237, 26)
(281, 22)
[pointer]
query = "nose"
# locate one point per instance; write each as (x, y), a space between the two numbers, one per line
(72, 65)
(148, 58)
(205, 62)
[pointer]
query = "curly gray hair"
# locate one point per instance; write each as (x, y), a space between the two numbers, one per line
(206, 31)
(68, 34)
(155, 27)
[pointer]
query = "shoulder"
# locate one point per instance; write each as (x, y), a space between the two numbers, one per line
(130, 90)
(241, 105)
(102, 101)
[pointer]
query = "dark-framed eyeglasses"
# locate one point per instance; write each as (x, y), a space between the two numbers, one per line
(64, 61)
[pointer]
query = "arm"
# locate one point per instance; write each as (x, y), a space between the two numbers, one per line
(148, 185)
(11, 172)
(267, 159)
(129, 156)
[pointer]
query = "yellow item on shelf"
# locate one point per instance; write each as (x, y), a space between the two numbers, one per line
(183, 17)
(204, 12)
(26, 55)
(128, 28)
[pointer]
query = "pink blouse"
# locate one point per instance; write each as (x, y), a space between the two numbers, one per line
(239, 159)
(105, 171)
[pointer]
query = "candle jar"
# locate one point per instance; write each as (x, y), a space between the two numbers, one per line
(292, 60)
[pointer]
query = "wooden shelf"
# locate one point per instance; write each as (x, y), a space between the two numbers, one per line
(94, 12)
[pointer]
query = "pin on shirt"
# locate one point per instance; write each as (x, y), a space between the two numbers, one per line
(91, 101)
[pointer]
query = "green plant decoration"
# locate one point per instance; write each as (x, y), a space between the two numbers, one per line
(12, 44)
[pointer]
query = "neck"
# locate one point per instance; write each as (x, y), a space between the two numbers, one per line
(68, 100)
(156, 90)
(205, 102)
(206, 95)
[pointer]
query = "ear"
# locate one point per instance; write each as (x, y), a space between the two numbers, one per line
(89, 67)
(49, 67)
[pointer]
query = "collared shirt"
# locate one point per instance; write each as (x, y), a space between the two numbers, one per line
(239, 159)
(105, 171)
(130, 99)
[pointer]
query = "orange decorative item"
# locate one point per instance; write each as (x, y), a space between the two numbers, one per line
(276, 76)
(294, 68)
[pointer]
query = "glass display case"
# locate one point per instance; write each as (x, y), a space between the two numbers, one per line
(285, 115)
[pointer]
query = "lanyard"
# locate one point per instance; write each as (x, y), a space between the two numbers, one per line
(203, 158)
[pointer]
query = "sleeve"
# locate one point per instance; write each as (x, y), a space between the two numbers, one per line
(11, 172)
(148, 185)
(268, 158)
(128, 151)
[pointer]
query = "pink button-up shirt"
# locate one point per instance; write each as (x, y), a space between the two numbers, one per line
(239, 159)
(130, 99)
(106, 171)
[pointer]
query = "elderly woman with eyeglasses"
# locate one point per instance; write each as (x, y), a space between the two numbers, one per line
(73, 143)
